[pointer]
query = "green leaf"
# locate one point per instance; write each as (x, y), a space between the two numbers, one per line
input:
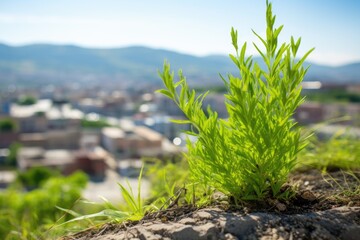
(165, 92)
(242, 54)
(180, 121)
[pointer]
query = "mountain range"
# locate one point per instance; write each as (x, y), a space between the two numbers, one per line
(71, 63)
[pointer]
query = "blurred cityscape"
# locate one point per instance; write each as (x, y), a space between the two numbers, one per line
(107, 131)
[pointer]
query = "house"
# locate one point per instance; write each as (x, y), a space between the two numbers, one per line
(31, 118)
(149, 142)
(7, 138)
(91, 162)
(314, 112)
(110, 139)
(29, 157)
(8, 132)
(163, 125)
(45, 115)
(6, 178)
(310, 112)
(4, 153)
(48, 124)
(54, 139)
(135, 142)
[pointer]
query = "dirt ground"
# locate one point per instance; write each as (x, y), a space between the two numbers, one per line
(324, 207)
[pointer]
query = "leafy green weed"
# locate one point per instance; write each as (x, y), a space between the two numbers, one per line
(249, 155)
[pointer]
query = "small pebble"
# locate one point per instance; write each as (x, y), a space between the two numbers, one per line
(308, 195)
(280, 206)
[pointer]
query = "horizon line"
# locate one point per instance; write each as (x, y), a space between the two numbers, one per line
(84, 46)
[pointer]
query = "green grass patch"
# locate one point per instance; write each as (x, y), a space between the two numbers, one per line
(333, 154)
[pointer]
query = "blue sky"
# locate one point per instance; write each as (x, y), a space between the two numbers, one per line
(197, 27)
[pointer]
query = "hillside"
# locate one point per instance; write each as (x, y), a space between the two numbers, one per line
(44, 62)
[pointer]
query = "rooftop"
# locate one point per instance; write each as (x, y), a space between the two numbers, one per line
(113, 132)
(147, 133)
(34, 156)
(45, 106)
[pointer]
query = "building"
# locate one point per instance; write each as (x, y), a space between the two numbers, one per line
(48, 124)
(163, 125)
(8, 132)
(29, 157)
(45, 115)
(314, 112)
(138, 142)
(92, 162)
(311, 112)
(7, 138)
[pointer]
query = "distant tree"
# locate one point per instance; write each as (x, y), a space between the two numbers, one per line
(26, 100)
(333, 96)
(7, 125)
(94, 124)
(34, 177)
(11, 159)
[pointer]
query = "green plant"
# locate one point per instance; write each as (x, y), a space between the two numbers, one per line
(249, 155)
(339, 152)
(135, 205)
(86, 123)
(166, 178)
(170, 185)
(134, 208)
(348, 186)
(335, 95)
(34, 177)
(30, 215)
(27, 100)
(11, 159)
(7, 125)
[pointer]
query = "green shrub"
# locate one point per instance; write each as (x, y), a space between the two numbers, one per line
(133, 209)
(27, 100)
(31, 215)
(7, 125)
(34, 177)
(11, 159)
(249, 155)
(85, 123)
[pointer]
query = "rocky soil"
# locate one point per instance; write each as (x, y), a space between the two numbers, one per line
(325, 207)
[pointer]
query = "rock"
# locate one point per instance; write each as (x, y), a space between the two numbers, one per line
(238, 226)
(187, 221)
(185, 233)
(280, 206)
(353, 233)
(161, 228)
(207, 231)
(321, 234)
(213, 223)
(308, 196)
(145, 234)
(229, 236)
(203, 215)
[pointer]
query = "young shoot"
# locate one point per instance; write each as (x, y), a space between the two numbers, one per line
(249, 155)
